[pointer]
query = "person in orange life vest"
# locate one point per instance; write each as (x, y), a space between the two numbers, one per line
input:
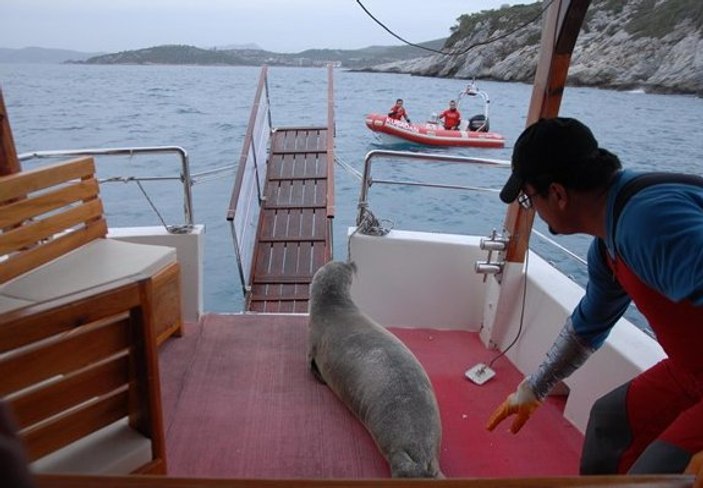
(648, 236)
(397, 111)
(451, 116)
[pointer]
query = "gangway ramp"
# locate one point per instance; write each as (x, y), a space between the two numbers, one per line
(282, 207)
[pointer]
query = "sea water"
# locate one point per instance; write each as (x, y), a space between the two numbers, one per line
(206, 110)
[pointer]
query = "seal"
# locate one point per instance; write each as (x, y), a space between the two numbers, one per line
(374, 374)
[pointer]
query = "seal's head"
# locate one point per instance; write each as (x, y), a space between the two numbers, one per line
(334, 279)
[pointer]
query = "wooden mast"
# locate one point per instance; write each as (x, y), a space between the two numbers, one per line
(561, 28)
(8, 154)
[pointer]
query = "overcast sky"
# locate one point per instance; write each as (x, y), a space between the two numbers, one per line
(275, 25)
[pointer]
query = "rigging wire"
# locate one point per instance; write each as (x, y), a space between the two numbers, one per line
(153, 207)
(213, 174)
(463, 51)
(203, 177)
(348, 168)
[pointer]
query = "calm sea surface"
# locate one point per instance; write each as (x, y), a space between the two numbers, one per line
(206, 110)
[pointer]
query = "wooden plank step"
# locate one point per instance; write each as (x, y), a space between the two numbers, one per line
(302, 296)
(304, 140)
(300, 151)
(273, 206)
(297, 165)
(284, 259)
(272, 306)
(295, 223)
(312, 179)
(299, 191)
(277, 279)
(302, 128)
(294, 240)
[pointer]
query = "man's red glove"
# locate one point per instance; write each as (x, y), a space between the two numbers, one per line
(523, 402)
(695, 467)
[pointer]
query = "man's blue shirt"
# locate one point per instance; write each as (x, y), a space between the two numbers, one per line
(659, 237)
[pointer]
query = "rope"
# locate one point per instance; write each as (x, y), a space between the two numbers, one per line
(368, 225)
(348, 167)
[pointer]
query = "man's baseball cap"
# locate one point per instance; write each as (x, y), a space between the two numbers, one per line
(548, 148)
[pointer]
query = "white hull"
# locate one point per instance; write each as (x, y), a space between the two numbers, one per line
(438, 291)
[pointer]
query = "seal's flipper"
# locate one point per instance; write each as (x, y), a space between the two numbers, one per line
(316, 372)
(404, 466)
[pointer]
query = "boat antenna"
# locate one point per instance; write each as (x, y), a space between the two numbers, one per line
(490, 40)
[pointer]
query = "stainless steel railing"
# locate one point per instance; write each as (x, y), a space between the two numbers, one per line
(246, 200)
(185, 176)
(367, 180)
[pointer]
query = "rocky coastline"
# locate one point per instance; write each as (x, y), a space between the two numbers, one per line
(623, 45)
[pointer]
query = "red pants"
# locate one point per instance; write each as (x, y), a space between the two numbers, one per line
(664, 404)
(655, 423)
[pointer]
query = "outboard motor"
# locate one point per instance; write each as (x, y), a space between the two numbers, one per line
(478, 123)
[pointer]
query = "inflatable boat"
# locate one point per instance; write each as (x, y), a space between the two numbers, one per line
(473, 132)
(430, 134)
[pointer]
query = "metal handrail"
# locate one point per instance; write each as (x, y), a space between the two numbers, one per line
(252, 158)
(185, 176)
(331, 134)
(367, 181)
(248, 146)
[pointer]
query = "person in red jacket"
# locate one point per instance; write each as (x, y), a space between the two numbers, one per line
(451, 117)
(397, 111)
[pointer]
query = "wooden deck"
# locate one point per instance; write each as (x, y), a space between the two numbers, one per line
(293, 240)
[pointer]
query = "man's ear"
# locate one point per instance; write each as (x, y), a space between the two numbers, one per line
(559, 193)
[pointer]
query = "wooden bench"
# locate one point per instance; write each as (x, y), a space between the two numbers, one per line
(53, 246)
(80, 319)
(82, 380)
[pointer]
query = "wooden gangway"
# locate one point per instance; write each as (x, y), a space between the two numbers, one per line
(282, 207)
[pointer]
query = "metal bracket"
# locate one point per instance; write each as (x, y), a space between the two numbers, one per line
(493, 243)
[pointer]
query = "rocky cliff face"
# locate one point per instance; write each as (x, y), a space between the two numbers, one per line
(654, 45)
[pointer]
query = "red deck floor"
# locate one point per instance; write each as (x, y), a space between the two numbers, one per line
(239, 402)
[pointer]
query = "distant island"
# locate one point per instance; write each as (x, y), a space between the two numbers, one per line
(247, 55)
(191, 55)
(41, 55)
(624, 44)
